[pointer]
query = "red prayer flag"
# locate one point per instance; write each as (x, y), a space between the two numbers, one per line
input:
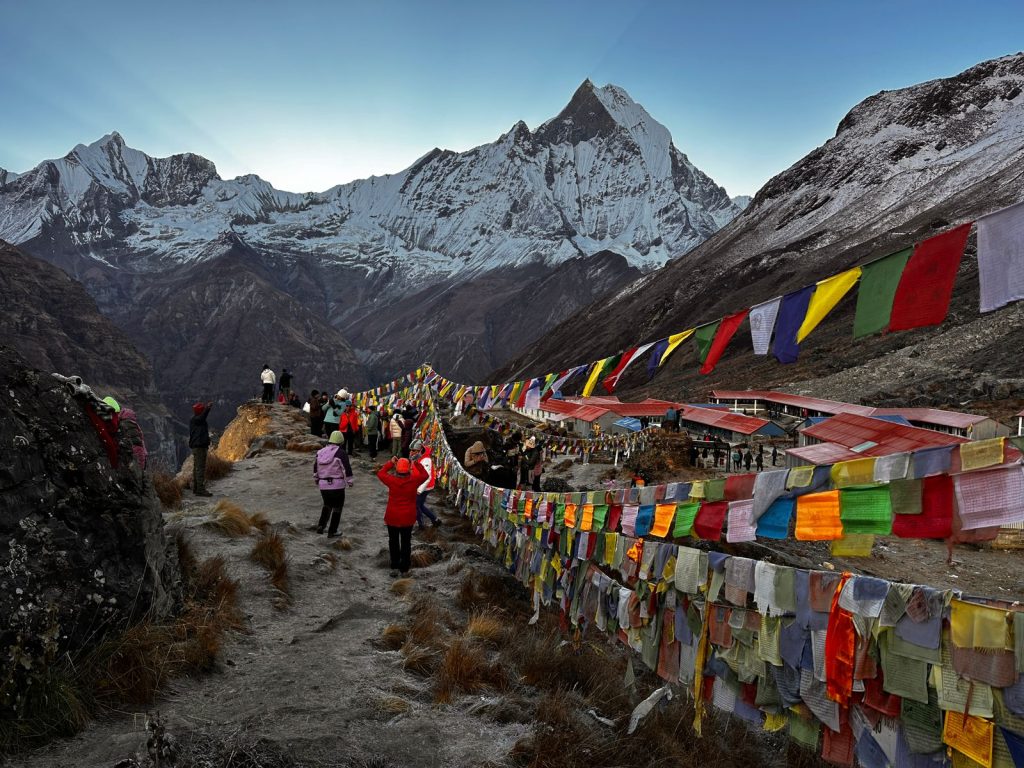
(710, 519)
(612, 379)
(936, 518)
(726, 329)
(922, 296)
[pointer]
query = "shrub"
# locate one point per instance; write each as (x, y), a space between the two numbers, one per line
(167, 489)
(487, 627)
(394, 636)
(268, 551)
(231, 519)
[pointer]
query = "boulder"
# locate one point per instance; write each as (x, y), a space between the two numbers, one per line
(83, 541)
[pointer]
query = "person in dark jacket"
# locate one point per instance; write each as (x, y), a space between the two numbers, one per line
(199, 442)
(403, 479)
(284, 384)
(408, 423)
(316, 414)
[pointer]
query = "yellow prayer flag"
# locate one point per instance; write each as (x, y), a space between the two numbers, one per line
(982, 453)
(697, 489)
(970, 735)
(826, 295)
(663, 514)
(979, 626)
(799, 477)
(674, 341)
(853, 545)
(595, 374)
(856, 472)
(775, 721)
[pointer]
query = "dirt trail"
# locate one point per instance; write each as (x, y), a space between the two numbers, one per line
(309, 678)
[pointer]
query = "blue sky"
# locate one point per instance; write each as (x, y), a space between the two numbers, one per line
(310, 94)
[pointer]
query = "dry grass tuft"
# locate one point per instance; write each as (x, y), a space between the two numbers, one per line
(465, 669)
(485, 589)
(419, 660)
(487, 627)
(428, 625)
(343, 544)
(217, 467)
(423, 558)
(394, 636)
(268, 551)
(326, 562)
(455, 564)
(167, 489)
(279, 578)
(401, 586)
(260, 521)
(231, 519)
(391, 705)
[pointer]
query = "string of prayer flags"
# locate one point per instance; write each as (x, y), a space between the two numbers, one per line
(827, 293)
(1001, 257)
(922, 296)
(704, 335)
(792, 312)
(674, 341)
(762, 323)
(726, 329)
(878, 283)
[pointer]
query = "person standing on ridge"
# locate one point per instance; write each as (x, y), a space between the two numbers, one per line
(285, 385)
(422, 455)
(269, 379)
(316, 414)
(332, 416)
(775, 454)
(402, 479)
(199, 442)
(408, 423)
(349, 425)
(372, 426)
(332, 472)
(748, 457)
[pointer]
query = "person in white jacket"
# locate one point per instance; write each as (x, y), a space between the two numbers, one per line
(269, 379)
(421, 456)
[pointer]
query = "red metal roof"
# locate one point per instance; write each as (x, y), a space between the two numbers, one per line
(953, 419)
(735, 422)
(852, 431)
(797, 401)
(551, 405)
(823, 453)
(588, 413)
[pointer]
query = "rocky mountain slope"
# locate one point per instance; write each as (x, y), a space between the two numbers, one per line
(51, 321)
(903, 165)
(602, 176)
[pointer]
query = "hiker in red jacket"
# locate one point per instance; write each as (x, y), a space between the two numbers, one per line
(402, 478)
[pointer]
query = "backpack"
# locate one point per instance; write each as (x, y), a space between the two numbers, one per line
(328, 465)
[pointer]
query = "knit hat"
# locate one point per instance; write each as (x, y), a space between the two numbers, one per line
(198, 408)
(342, 394)
(402, 467)
(112, 403)
(416, 444)
(336, 438)
(531, 441)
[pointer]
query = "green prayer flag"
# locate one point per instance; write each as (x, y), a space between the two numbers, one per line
(704, 335)
(560, 514)
(686, 512)
(877, 289)
(714, 490)
(866, 510)
(600, 513)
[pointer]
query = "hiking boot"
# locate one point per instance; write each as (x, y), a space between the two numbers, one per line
(201, 493)
(319, 530)
(437, 523)
(394, 573)
(332, 535)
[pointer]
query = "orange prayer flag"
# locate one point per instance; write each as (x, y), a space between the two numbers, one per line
(817, 517)
(570, 515)
(663, 514)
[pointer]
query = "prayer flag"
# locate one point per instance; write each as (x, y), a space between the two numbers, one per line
(726, 330)
(762, 323)
(934, 518)
(866, 510)
(710, 519)
(827, 293)
(612, 380)
(922, 297)
(595, 373)
(531, 398)
(704, 335)
(513, 396)
(549, 380)
(792, 312)
(817, 517)
(1001, 257)
(878, 282)
(655, 359)
(674, 341)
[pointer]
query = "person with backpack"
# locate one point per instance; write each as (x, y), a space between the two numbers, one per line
(403, 479)
(759, 460)
(332, 416)
(199, 442)
(422, 455)
(748, 457)
(372, 427)
(395, 430)
(269, 379)
(332, 473)
(737, 459)
(316, 414)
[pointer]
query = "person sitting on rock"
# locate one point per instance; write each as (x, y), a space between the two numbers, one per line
(476, 459)
(402, 479)
(199, 442)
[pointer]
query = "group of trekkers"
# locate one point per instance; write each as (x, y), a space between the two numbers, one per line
(374, 426)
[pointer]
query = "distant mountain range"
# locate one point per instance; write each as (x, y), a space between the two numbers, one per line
(462, 259)
(903, 165)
